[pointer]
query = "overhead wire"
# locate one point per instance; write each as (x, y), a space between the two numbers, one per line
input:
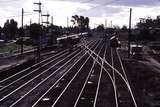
(17, 16)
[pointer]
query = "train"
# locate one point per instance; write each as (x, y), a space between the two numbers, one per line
(114, 42)
(136, 51)
(70, 40)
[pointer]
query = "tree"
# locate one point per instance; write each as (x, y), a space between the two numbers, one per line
(116, 27)
(35, 31)
(21, 35)
(6, 30)
(54, 32)
(124, 28)
(10, 29)
(149, 28)
(81, 22)
(13, 28)
(75, 20)
(100, 28)
(21, 32)
(87, 22)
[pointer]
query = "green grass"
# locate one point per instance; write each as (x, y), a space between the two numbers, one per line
(11, 48)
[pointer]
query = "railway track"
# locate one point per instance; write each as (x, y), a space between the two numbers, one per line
(33, 91)
(26, 80)
(90, 77)
(124, 97)
(124, 94)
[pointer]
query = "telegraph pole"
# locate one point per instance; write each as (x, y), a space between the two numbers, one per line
(67, 26)
(47, 21)
(129, 33)
(22, 33)
(30, 22)
(39, 39)
(52, 20)
(105, 23)
(67, 22)
(94, 25)
(111, 24)
(39, 10)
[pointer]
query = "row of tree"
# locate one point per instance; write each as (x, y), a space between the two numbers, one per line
(81, 22)
(149, 29)
(149, 23)
(10, 30)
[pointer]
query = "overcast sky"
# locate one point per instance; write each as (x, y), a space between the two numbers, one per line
(96, 10)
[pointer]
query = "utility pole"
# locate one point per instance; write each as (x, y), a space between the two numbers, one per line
(94, 25)
(39, 10)
(52, 20)
(67, 22)
(111, 24)
(67, 26)
(30, 22)
(39, 38)
(22, 33)
(129, 33)
(47, 21)
(105, 23)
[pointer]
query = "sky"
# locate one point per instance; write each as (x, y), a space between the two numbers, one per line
(99, 11)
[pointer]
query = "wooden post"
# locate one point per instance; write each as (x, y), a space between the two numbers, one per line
(129, 33)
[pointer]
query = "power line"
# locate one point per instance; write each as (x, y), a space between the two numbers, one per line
(87, 1)
(9, 1)
(105, 4)
(17, 16)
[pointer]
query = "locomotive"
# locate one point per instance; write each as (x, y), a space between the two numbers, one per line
(68, 41)
(114, 42)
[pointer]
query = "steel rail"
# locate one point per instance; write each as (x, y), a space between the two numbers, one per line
(46, 78)
(111, 78)
(120, 60)
(35, 77)
(84, 85)
(39, 63)
(31, 67)
(128, 86)
(58, 81)
(114, 79)
(124, 72)
(114, 86)
(72, 80)
(99, 80)
(33, 70)
(30, 73)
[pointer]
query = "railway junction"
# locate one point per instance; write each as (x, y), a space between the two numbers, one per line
(93, 74)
